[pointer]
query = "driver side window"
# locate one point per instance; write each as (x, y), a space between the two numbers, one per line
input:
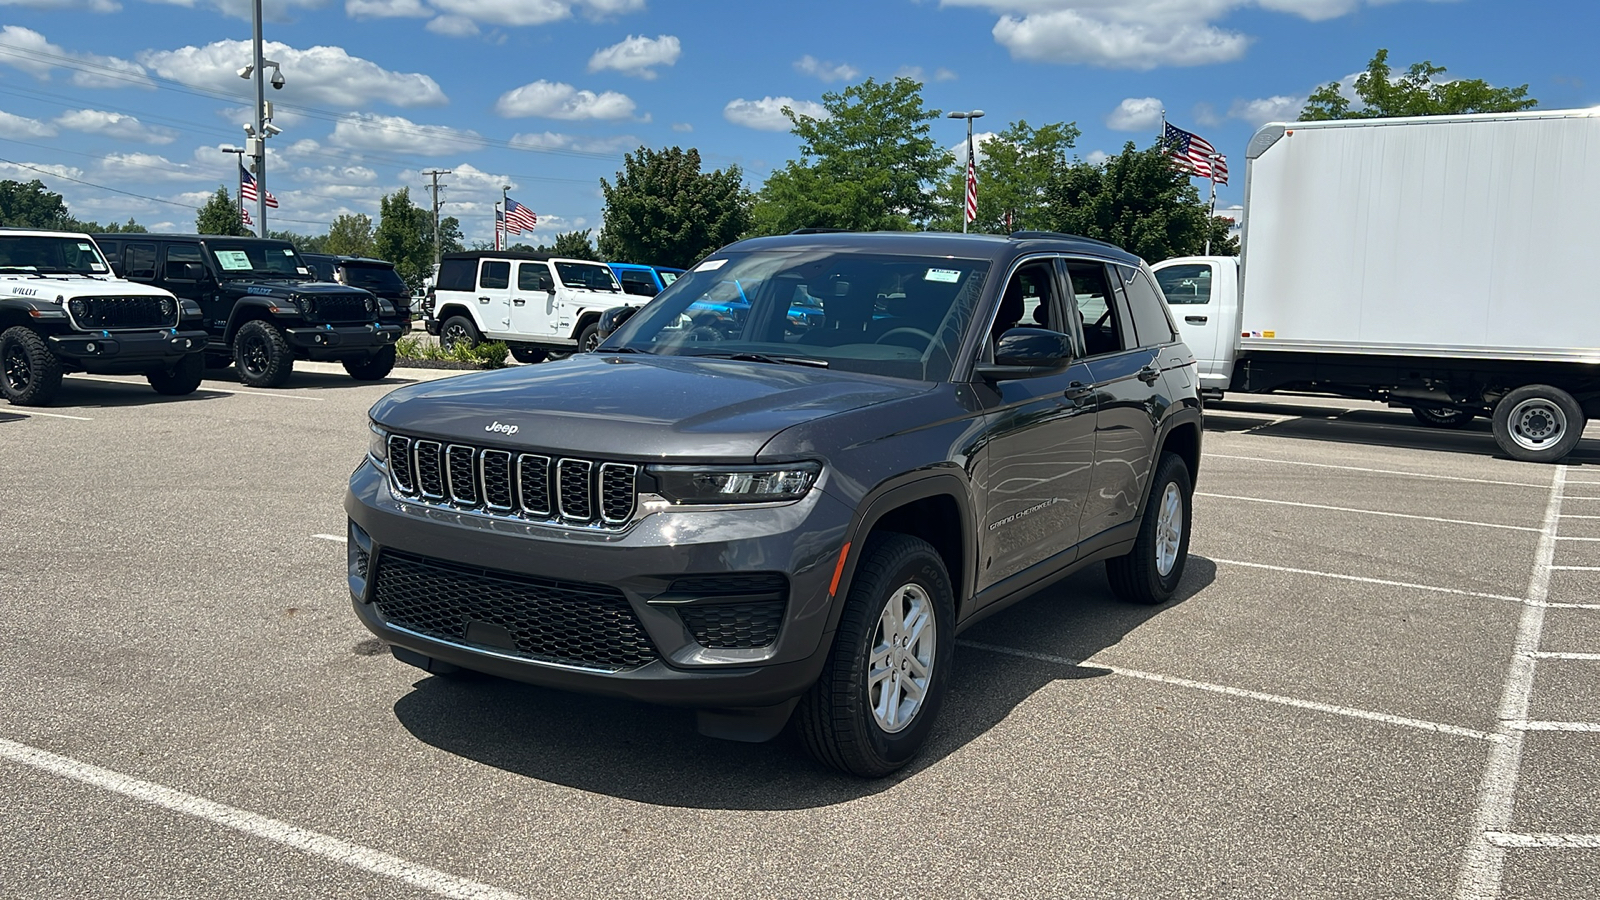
(1103, 330)
(1026, 301)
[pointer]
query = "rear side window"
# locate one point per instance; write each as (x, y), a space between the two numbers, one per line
(495, 274)
(177, 255)
(1188, 285)
(534, 277)
(1150, 320)
(457, 275)
(139, 260)
(1103, 328)
(638, 283)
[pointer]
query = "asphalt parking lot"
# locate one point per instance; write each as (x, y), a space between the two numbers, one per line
(1380, 681)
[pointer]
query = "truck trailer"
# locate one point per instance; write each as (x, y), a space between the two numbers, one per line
(1435, 263)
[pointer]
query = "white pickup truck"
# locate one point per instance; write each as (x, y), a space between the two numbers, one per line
(1427, 262)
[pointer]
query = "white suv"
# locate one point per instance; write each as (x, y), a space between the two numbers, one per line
(537, 304)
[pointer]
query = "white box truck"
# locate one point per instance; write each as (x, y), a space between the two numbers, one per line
(1436, 263)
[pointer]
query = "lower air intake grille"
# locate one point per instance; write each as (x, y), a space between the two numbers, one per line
(731, 611)
(566, 622)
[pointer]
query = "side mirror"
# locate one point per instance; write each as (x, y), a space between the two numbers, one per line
(612, 319)
(1026, 352)
(193, 271)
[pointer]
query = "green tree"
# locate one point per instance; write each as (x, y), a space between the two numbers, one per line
(1139, 202)
(1415, 93)
(31, 205)
(350, 235)
(404, 237)
(574, 245)
(89, 226)
(220, 215)
(449, 236)
(867, 165)
(1014, 167)
(305, 243)
(664, 211)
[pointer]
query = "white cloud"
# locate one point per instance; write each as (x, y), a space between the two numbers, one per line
(99, 6)
(337, 175)
(13, 126)
(1136, 114)
(979, 140)
(466, 179)
(1278, 108)
(766, 114)
(115, 125)
(370, 131)
(326, 76)
(28, 50)
(534, 12)
(637, 55)
(17, 172)
(562, 101)
(386, 9)
(684, 127)
(943, 74)
(137, 167)
(453, 26)
(827, 71)
(1096, 157)
(550, 140)
(1067, 36)
(275, 11)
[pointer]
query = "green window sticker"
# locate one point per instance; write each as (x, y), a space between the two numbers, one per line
(948, 276)
(233, 260)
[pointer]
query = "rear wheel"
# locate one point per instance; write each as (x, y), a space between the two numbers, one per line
(1150, 572)
(30, 375)
(1538, 423)
(458, 331)
(262, 355)
(528, 355)
(184, 378)
(1443, 416)
(373, 368)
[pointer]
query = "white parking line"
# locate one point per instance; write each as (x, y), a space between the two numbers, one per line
(1576, 568)
(332, 537)
(1364, 580)
(204, 387)
(1295, 462)
(32, 412)
(1586, 657)
(1543, 840)
(1365, 512)
(1279, 699)
(343, 852)
(1484, 862)
(1556, 726)
(1578, 538)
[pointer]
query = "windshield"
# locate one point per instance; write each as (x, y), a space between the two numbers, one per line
(899, 316)
(51, 255)
(374, 278)
(595, 277)
(253, 260)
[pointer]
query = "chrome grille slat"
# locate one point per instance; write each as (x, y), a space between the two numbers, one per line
(400, 464)
(574, 495)
(533, 483)
(617, 492)
(494, 474)
(430, 471)
(461, 472)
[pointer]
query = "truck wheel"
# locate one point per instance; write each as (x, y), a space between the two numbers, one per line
(1538, 423)
(528, 355)
(875, 703)
(184, 378)
(589, 337)
(374, 367)
(262, 355)
(1443, 416)
(1150, 572)
(458, 331)
(30, 375)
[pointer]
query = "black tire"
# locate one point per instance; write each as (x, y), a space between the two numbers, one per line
(837, 719)
(1443, 416)
(262, 356)
(1138, 577)
(528, 355)
(458, 330)
(589, 337)
(373, 368)
(30, 375)
(1538, 423)
(184, 378)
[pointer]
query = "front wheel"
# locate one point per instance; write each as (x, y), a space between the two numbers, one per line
(262, 356)
(1150, 572)
(589, 337)
(1443, 416)
(1538, 423)
(458, 331)
(374, 367)
(30, 375)
(875, 703)
(184, 378)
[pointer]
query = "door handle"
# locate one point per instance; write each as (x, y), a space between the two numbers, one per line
(1077, 390)
(1195, 320)
(1149, 374)
(519, 302)
(483, 299)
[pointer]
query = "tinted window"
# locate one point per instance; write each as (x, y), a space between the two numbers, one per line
(533, 277)
(495, 274)
(177, 255)
(1186, 284)
(46, 255)
(139, 260)
(1103, 330)
(638, 283)
(256, 259)
(1150, 320)
(593, 276)
(373, 278)
(457, 275)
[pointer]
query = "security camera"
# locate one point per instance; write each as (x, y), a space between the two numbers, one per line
(271, 129)
(277, 79)
(245, 72)
(249, 129)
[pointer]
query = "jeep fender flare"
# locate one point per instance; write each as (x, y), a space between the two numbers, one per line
(18, 311)
(1180, 417)
(247, 309)
(457, 308)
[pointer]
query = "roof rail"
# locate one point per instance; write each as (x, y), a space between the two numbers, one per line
(1027, 235)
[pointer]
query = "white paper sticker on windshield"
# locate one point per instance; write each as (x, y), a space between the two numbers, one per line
(233, 260)
(97, 267)
(288, 252)
(948, 276)
(711, 265)
(87, 248)
(301, 270)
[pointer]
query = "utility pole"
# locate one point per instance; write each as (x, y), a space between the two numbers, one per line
(434, 174)
(257, 59)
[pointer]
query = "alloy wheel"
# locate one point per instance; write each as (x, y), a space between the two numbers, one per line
(900, 666)
(1169, 529)
(1537, 423)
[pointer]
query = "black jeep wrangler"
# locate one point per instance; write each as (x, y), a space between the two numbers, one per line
(262, 304)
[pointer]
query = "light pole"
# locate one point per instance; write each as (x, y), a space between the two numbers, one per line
(969, 200)
(258, 132)
(238, 176)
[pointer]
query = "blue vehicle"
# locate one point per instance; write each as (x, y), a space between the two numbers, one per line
(642, 280)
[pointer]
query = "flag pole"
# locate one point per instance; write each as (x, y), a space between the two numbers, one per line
(239, 179)
(1211, 216)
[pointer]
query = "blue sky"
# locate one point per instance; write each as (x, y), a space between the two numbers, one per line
(546, 95)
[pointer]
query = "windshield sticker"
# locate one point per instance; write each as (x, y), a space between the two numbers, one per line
(87, 248)
(711, 265)
(233, 260)
(948, 276)
(302, 270)
(97, 267)
(288, 252)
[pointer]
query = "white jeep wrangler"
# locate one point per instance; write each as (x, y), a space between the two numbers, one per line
(537, 304)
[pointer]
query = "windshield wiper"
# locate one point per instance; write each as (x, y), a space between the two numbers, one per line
(765, 358)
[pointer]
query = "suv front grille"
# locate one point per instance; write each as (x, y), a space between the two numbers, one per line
(732, 611)
(123, 312)
(526, 486)
(338, 308)
(571, 623)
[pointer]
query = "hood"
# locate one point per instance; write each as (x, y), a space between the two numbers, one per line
(66, 287)
(639, 408)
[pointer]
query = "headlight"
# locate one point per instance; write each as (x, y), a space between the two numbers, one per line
(378, 446)
(735, 484)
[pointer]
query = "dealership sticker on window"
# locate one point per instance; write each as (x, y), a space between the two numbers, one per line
(302, 270)
(711, 265)
(87, 248)
(287, 252)
(948, 276)
(233, 260)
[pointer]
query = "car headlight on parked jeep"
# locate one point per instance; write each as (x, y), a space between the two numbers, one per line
(378, 446)
(735, 484)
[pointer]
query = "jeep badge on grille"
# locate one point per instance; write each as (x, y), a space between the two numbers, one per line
(503, 429)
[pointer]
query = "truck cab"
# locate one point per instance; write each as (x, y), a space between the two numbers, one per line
(1203, 294)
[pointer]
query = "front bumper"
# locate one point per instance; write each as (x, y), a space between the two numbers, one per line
(116, 352)
(338, 342)
(800, 540)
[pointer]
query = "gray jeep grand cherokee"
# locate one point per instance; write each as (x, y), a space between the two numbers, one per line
(718, 511)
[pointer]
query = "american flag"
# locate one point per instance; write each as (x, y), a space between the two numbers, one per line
(499, 227)
(247, 188)
(244, 215)
(972, 190)
(1194, 154)
(519, 217)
